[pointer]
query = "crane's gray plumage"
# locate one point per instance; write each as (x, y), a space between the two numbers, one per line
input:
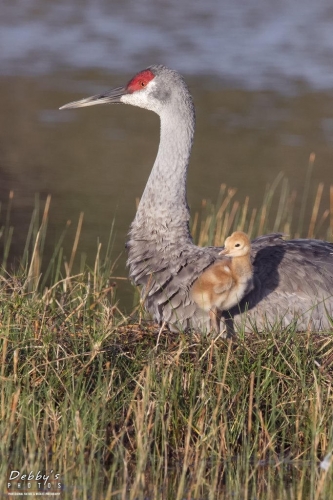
(293, 280)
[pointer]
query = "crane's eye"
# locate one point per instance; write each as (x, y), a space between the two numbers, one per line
(142, 83)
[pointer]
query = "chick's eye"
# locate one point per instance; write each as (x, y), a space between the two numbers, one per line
(237, 245)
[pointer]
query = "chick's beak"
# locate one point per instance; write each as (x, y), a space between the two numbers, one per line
(111, 97)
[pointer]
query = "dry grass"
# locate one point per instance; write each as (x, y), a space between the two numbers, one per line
(120, 409)
(298, 215)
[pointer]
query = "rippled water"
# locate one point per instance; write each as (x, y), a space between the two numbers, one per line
(254, 43)
(258, 73)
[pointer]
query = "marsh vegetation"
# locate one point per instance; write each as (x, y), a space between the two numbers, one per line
(122, 410)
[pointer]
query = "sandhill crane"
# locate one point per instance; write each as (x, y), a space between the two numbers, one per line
(293, 280)
(223, 284)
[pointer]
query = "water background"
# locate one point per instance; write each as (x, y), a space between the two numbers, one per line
(261, 74)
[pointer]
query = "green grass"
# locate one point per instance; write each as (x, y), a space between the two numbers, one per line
(121, 410)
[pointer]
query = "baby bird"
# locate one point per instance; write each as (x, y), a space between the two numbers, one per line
(223, 284)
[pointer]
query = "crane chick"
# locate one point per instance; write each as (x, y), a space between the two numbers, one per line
(223, 284)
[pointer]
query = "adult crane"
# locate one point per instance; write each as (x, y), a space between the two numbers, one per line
(293, 280)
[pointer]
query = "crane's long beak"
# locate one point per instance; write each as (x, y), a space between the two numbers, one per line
(111, 97)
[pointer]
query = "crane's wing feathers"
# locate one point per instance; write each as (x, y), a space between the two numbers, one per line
(292, 281)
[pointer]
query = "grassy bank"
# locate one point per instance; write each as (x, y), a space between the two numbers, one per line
(95, 399)
(122, 410)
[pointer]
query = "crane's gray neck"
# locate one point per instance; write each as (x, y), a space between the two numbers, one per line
(163, 205)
